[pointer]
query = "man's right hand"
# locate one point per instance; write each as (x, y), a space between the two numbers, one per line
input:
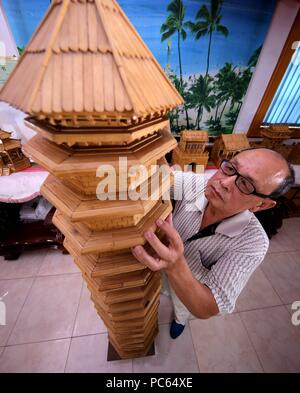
(167, 255)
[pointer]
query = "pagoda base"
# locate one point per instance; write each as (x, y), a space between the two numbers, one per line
(113, 355)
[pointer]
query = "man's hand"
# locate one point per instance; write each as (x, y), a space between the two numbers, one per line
(197, 297)
(167, 255)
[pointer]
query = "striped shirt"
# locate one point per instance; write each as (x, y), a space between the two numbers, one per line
(224, 261)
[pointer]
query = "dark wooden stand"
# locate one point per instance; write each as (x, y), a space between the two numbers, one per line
(17, 237)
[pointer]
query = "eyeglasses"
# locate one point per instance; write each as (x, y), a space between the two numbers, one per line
(243, 184)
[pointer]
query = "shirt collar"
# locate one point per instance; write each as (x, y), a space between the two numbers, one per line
(201, 202)
(231, 226)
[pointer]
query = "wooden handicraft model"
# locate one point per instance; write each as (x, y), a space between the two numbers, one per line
(226, 146)
(12, 158)
(274, 136)
(94, 93)
(191, 149)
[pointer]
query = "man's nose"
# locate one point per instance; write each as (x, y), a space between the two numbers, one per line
(228, 182)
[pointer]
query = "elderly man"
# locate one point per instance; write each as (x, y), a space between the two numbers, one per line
(215, 242)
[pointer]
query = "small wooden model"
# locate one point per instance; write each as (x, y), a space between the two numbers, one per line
(12, 158)
(274, 136)
(226, 146)
(95, 93)
(191, 149)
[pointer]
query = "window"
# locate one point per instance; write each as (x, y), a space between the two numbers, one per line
(285, 106)
(281, 101)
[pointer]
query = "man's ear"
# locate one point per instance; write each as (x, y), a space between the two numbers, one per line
(264, 205)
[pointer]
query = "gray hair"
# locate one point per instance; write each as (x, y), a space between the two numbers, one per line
(286, 183)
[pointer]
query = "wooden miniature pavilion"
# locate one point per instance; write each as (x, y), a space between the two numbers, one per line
(12, 158)
(226, 146)
(95, 93)
(274, 136)
(191, 149)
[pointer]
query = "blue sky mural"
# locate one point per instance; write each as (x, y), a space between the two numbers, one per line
(247, 22)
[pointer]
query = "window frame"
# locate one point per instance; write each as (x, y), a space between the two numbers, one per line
(278, 73)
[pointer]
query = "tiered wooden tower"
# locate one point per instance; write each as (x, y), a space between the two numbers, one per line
(191, 149)
(12, 158)
(95, 93)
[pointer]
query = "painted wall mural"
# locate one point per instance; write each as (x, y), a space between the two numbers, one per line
(208, 48)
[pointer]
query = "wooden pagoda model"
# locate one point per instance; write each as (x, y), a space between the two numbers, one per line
(226, 146)
(12, 158)
(191, 149)
(95, 93)
(274, 136)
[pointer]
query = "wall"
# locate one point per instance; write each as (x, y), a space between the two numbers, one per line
(6, 37)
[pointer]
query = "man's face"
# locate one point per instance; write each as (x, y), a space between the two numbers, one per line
(261, 168)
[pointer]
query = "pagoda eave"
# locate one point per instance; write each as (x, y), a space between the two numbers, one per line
(89, 242)
(95, 136)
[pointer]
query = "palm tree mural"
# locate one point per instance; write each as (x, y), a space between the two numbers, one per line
(214, 100)
(209, 22)
(168, 66)
(175, 24)
(200, 97)
(254, 57)
(238, 91)
(181, 87)
(223, 83)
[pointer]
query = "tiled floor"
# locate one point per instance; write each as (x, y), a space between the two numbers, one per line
(52, 326)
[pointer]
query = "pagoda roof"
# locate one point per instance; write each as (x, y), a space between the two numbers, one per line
(86, 60)
(277, 131)
(235, 141)
(194, 136)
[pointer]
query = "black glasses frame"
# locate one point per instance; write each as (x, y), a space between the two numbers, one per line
(238, 175)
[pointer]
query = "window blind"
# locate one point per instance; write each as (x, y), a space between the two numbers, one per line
(285, 106)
